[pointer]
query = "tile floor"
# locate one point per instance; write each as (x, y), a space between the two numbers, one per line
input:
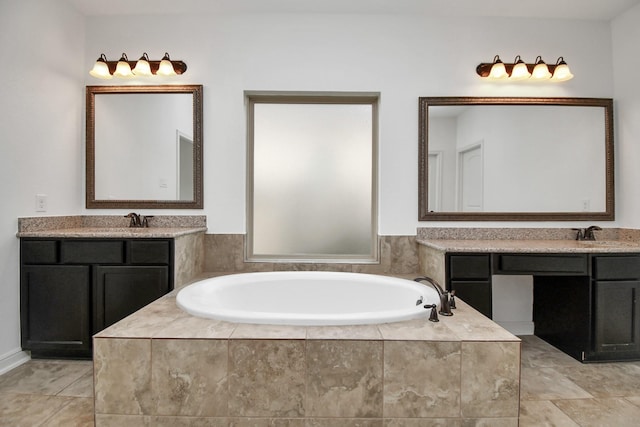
(556, 390)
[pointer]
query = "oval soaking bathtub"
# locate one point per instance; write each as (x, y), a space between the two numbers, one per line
(307, 298)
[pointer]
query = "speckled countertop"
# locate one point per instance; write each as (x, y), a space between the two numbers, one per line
(111, 226)
(531, 246)
(107, 232)
(527, 240)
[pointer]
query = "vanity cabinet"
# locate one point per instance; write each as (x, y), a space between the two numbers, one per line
(72, 288)
(616, 319)
(586, 304)
(469, 275)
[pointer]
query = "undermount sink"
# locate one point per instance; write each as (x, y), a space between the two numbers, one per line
(605, 243)
(118, 229)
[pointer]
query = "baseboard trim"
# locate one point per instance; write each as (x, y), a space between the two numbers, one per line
(13, 359)
(517, 328)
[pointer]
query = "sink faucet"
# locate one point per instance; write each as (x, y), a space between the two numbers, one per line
(137, 220)
(445, 305)
(587, 233)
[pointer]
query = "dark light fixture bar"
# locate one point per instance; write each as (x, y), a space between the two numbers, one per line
(143, 67)
(518, 70)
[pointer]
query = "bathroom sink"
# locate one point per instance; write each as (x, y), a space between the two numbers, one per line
(116, 230)
(606, 243)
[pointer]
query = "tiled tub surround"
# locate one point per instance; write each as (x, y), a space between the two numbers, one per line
(188, 233)
(161, 366)
(225, 252)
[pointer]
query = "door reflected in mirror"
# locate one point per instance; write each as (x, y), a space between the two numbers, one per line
(144, 147)
(516, 159)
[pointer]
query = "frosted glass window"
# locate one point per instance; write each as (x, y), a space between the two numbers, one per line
(312, 180)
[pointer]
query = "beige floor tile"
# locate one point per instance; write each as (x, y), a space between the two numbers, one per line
(78, 413)
(537, 353)
(43, 376)
(536, 413)
(634, 399)
(82, 387)
(547, 384)
(606, 379)
(28, 410)
(613, 412)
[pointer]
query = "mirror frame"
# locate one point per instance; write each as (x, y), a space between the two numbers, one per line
(423, 153)
(91, 202)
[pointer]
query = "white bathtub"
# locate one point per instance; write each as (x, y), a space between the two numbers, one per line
(307, 298)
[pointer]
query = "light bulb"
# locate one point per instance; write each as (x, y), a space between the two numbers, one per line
(100, 69)
(540, 71)
(123, 69)
(142, 67)
(520, 70)
(166, 67)
(562, 72)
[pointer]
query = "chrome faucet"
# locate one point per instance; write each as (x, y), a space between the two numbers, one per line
(445, 304)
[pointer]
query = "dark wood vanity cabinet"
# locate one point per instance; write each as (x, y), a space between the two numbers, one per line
(71, 289)
(587, 305)
(616, 314)
(469, 275)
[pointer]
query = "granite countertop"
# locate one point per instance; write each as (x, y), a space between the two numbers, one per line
(109, 226)
(114, 232)
(531, 246)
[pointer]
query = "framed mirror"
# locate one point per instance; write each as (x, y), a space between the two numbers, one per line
(515, 159)
(144, 147)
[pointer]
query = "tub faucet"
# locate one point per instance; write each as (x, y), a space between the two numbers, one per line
(445, 306)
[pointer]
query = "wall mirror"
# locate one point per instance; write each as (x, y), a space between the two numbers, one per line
(515, 159)
(144, 147)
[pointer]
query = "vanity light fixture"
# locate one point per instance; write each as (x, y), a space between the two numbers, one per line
(143, 67)
(521, 71)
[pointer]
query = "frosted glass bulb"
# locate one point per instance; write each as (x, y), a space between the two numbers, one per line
(166, 68)
(520, 72)
(100, 70)
(142, 68)
(498, 71)
(123, 70)
(562, 73)
(541, 72)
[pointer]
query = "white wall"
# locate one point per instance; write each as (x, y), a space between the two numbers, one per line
(40, 133)
(400, 56)
(626, 33)
(51, 48)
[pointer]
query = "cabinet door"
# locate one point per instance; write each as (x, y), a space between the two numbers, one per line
(469, 275)
(477, 294)
(122, 290)
(617, 317)
(55, 303)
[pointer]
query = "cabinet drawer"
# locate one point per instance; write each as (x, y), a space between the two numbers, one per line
(150, 252)
(616, 267)
(92, 252)
(469, 266)
(39, 251)
(543, 264)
